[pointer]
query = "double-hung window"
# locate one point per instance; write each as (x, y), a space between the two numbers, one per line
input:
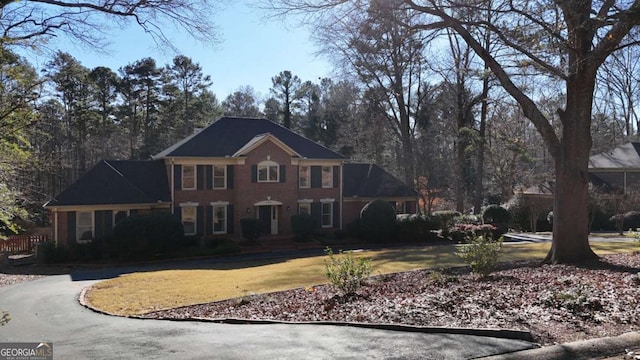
(220, 219)
(219, 177)
(268, 171)
(304, 177)
(84, 226)
(327, 176)
(327, 215)
(189, 220)
(188, 177)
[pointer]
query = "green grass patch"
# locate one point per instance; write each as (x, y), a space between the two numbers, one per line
(139, 293)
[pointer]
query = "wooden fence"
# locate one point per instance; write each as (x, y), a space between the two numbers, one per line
(21, 244)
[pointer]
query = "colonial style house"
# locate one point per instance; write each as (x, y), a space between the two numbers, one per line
(232, 169)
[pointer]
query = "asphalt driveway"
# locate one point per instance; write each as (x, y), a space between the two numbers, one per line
(48, 310)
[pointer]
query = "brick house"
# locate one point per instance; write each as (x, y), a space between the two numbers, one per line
(232, 169)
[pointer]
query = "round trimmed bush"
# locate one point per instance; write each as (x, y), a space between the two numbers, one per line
(303, 226)
(378, 220)
(497, 216)
(251, 228)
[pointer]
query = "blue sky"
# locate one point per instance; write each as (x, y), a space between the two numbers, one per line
(252, 51)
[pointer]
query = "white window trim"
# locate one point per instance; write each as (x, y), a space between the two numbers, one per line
(305, 200)
(93, 227)
(268, 164)
(213, 177)
(330, 224)
(308, 176)
(195, 216)
(327, 200)
(328, 186)
(195, 177)
(304, 204)
(224, 221)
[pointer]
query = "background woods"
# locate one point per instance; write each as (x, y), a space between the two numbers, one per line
(453, 100)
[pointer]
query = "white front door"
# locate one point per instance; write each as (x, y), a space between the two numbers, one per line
(274, 220)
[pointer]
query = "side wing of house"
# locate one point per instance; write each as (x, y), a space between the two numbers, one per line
(112, 190)
(367, 182)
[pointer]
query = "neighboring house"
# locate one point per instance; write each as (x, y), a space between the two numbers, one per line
(232, 169)
(617, 170)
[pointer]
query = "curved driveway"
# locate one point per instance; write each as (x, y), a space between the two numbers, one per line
(48, 310)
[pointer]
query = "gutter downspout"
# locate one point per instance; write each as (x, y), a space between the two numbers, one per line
(172, 186)
(55, 226)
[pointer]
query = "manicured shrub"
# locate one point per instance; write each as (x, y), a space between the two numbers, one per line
(497, 216)
(632, 220)
(519, 213)
(378, 220)
(481, 254)
(144, 236)
(251, 228)
(413, 228)
(460, 232)
(346, 272)
(444, 218)
(303, 226)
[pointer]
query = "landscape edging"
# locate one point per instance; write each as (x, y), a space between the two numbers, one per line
(497, 333)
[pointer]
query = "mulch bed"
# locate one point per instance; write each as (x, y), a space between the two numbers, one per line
(556, 303)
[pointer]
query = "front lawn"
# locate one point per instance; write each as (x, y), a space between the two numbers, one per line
(140, 293)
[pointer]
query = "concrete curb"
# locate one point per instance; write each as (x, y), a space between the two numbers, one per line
(496, 333)
(579, 350)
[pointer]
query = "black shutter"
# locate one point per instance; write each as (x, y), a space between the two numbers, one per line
(71, 227)
(229, 176)
(208, 229)
(99, 229)
(200, 177)
(108, 223)
(177, 211)
(283, 173)
(177, 177)
(316, 176)
(209, 177)
(254, 173)
(336, 176)
(200, 220)
(336, 215)
(316, 212)
(229, 219)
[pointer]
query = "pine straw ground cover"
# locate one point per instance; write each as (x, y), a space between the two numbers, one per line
(556, 304)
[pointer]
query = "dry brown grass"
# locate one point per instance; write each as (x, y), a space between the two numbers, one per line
(139, 293)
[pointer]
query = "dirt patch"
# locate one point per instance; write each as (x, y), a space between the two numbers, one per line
(557, 304)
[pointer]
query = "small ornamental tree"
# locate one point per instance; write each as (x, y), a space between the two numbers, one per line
(346, 272)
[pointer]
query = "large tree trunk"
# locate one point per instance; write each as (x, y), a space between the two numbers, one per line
(571, 203)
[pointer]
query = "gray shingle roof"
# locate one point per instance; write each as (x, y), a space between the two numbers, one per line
(370, 181)
(118, 182)
(625, 156)
(229, 134)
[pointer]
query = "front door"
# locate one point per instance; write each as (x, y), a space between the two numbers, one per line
(264, 214)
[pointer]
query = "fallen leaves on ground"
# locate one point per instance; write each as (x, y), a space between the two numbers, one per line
(556, 303)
